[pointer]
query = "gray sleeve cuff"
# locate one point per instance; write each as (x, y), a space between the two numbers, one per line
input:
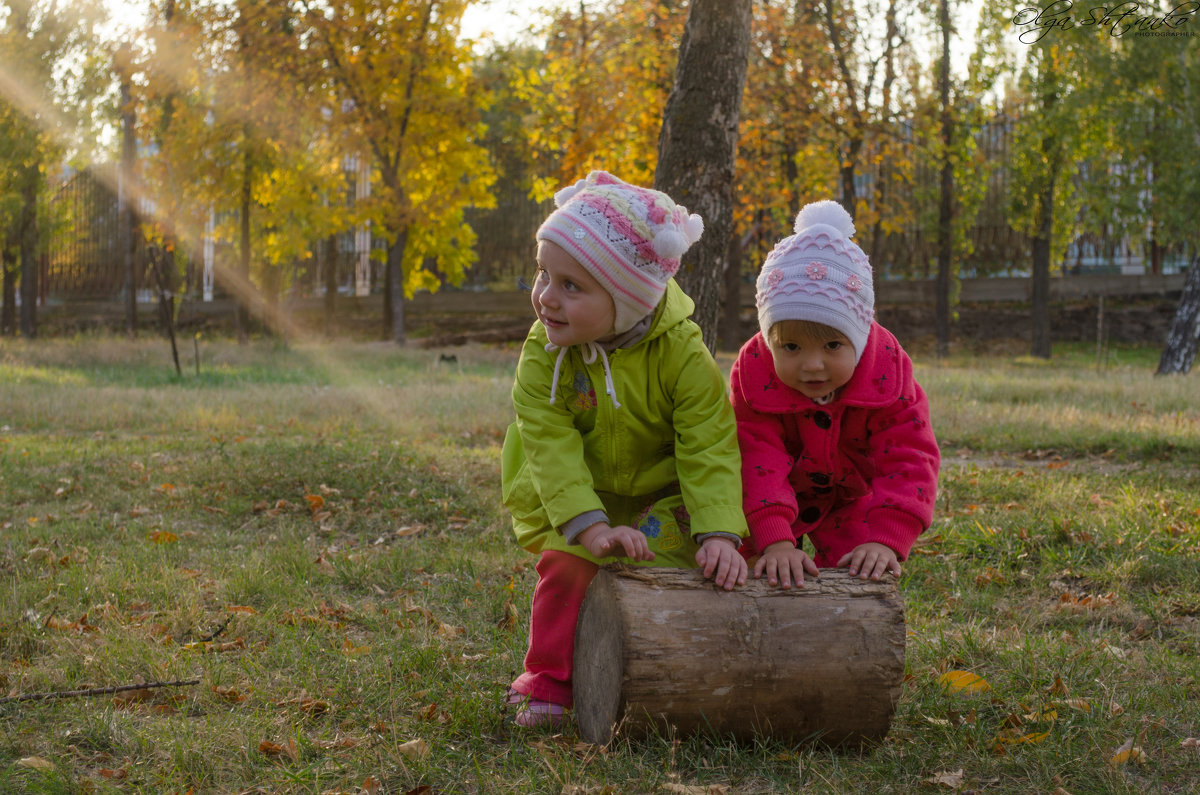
(582, 522)
(737, 541)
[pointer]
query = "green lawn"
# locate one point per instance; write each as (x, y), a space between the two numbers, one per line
(314, 533)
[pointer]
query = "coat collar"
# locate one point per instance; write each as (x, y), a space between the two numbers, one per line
(875, 383)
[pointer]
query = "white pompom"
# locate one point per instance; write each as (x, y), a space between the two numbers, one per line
(693, 228)
(564, 195)
(826, 212)
(670, 244)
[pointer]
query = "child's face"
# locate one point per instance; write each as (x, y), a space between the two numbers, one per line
(568, 300)
(811, 366)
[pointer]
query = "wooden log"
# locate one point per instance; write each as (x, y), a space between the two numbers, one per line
(658, 647)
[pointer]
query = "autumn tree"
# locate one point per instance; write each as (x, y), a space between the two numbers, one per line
(860, 102)
(237, 135)
(784, 159)
(599, 92)
(401, 94)
(506, 232)
(48, 74)
(1056, 131)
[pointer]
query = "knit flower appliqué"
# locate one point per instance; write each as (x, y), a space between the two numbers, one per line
(651, 527)
(774, 278)
(854, 284)
(816, 271)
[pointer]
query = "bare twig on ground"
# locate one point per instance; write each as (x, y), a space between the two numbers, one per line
(95, 691)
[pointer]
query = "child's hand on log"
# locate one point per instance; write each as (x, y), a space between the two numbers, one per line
(603, 541)
(869, 561)
(721, 561)
(784, 563)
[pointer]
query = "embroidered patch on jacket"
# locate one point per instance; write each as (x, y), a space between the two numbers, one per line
(585, 394)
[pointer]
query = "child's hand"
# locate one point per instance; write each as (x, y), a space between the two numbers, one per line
(870, 561)
(720, 559)
(603, 541)
(785, 563)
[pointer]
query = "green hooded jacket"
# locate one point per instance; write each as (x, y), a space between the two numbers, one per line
(665, 461)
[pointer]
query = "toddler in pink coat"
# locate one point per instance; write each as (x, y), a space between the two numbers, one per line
(834, 430)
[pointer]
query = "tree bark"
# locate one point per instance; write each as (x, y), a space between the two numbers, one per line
(1184, 337)
(697, 145)
(661, 647)
(731, 299)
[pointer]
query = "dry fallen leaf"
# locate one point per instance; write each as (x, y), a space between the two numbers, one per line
(963, 682)
(229, 694)
(946, 778)
(288, 749)
(414, 749)
(35, 763)
(1190, 742)
(1128, 753)
(685, 789)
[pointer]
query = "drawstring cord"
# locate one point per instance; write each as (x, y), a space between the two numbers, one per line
(590, 349)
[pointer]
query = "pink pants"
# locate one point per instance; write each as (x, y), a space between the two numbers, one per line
(562, 582)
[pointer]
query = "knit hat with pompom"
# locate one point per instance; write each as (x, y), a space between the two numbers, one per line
(819, 275)
(629, 238)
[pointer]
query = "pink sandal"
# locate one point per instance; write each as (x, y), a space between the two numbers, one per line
(533, 713)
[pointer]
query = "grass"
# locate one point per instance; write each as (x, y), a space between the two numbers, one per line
(314, 533)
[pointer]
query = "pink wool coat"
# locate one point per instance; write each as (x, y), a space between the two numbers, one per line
(862, 468)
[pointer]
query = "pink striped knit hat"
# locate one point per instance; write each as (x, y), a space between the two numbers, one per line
(819, 274)
(629, 238)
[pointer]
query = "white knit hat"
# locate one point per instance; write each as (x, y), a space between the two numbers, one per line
(819, 275)
(629, 238)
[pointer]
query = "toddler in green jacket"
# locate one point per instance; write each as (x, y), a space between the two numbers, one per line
(625, 444)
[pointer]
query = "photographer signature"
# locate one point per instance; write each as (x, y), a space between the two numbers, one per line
(1119, 19)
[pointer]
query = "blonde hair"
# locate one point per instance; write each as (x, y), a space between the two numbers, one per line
(808, 330)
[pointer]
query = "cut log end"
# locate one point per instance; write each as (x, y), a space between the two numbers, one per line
(659, 647)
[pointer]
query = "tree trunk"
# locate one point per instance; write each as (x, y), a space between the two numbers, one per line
(731, 320)
(697, 145)
(1184, 337)
(8, 303)
(946, 206)
(242, 293)
(849, 159)
(659, 647)
(27, 224)
(327, 252)
(125, 200)
(395, 291)
(1040, 278)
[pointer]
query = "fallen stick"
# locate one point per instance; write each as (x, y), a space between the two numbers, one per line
(95, 691)
(217, 631)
